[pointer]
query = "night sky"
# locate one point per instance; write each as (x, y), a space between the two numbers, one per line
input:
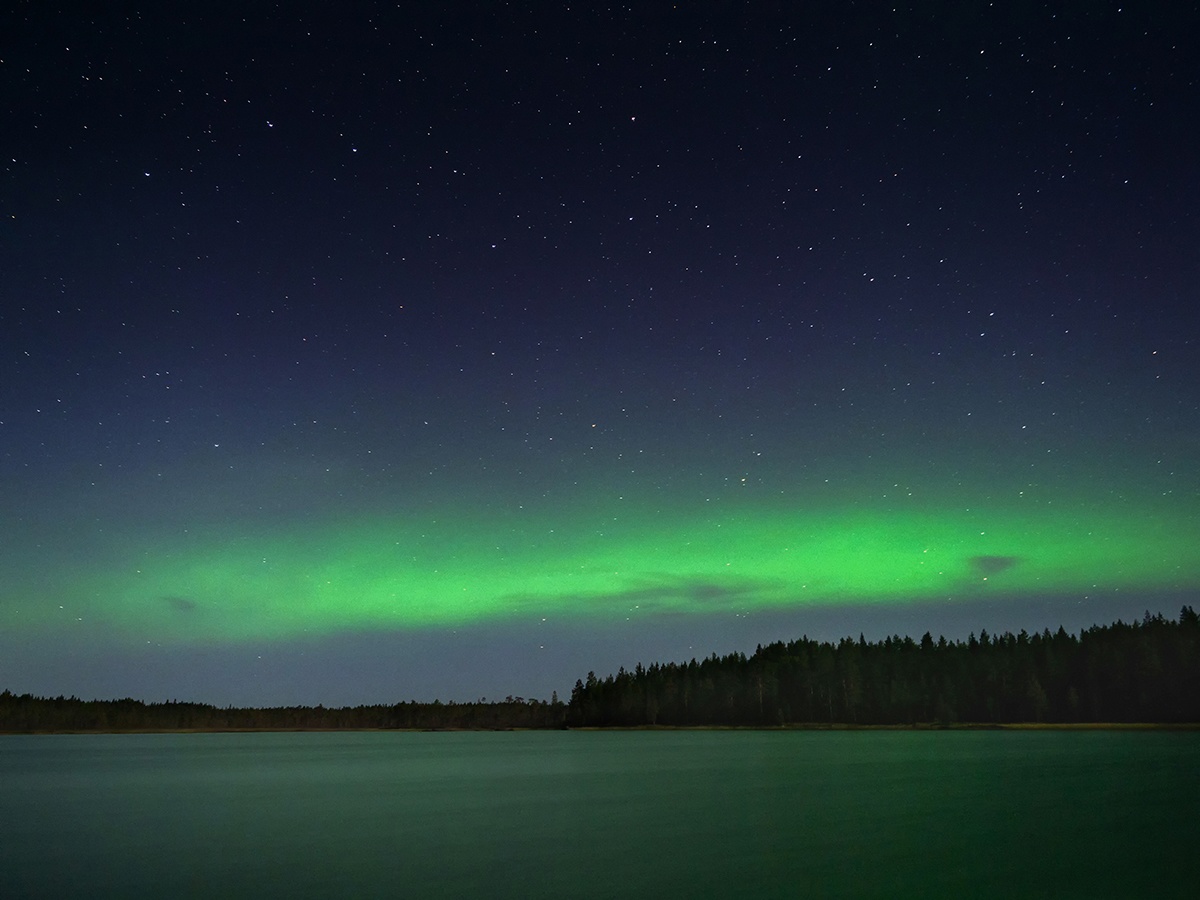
(362, 352)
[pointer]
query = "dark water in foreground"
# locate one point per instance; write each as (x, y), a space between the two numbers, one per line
(599, 814)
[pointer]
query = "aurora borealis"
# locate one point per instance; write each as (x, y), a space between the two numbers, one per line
(391, 574)
(354, 357)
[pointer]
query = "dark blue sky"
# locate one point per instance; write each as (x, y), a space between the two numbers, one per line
(283, 278)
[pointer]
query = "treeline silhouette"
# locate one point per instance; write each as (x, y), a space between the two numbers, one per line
(1147, 671)
(26, 713)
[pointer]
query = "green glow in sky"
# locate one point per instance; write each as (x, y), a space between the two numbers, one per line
(394, 573)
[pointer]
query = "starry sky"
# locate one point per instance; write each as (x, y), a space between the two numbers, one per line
(360, 352)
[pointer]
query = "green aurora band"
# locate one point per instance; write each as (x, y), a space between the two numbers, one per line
(393, 573)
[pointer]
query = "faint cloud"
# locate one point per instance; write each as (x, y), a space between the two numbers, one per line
(992, 565)
(669, 595)
(180, 604)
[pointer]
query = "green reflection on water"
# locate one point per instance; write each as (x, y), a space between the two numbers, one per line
(696, 814)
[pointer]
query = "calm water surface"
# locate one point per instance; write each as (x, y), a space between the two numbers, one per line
(599, 814)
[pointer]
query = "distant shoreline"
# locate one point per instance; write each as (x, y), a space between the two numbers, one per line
(817, 726)
(919, 726)
(1118, 677)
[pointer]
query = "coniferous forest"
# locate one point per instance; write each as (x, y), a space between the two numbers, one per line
(23, 713)
(1146, 671)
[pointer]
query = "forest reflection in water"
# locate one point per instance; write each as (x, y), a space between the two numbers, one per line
(601, 814)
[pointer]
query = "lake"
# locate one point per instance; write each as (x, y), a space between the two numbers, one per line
(602, 814)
